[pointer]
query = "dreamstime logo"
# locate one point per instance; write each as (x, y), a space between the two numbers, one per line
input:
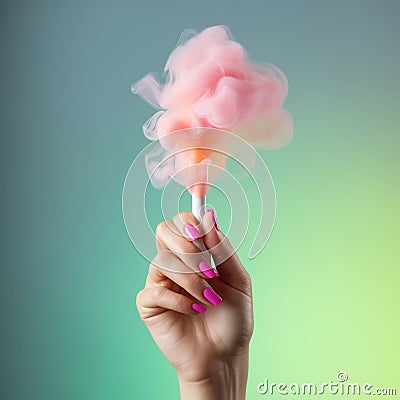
(164, 166)
(342, 377)
(339, 386)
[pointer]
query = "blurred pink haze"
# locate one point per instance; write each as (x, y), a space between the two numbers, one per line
(211, 82)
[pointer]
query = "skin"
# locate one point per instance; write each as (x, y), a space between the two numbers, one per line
(209, 350)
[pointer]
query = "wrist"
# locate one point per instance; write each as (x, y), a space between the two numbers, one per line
(227, 382)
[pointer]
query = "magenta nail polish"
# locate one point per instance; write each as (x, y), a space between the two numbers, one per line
(214, 218)
(207, 269)
(191, 231)
(211, 296)
(199, 308)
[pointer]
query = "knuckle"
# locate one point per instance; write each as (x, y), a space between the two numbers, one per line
(227, 246)
(139, 302)
(247, 279)
(162, 229)
(192, 280)
(139, 296)
(187, 247)
(158, 293)
(174, 303)
(246, 282)
(162, 260)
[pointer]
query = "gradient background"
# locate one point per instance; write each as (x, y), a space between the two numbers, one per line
(326, 287)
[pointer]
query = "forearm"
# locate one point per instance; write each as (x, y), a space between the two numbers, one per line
(229, 383)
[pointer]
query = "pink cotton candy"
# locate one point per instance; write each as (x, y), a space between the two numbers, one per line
(211, 82)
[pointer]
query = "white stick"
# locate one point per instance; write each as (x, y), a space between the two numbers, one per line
(198, 207)
(198, 210)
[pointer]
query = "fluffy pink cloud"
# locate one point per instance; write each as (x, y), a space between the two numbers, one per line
(211, 82)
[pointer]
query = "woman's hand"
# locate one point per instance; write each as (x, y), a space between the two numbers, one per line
(201, 319)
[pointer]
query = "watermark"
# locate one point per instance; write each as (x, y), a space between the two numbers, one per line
(339, 386)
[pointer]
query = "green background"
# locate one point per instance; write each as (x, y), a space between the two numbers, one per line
(326, 286)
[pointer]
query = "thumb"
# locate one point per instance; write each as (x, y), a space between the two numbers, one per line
(229, 267)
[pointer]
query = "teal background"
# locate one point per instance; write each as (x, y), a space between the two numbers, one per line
(326, 287)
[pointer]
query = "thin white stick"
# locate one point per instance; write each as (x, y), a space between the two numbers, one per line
(198, 210)
(198, 207)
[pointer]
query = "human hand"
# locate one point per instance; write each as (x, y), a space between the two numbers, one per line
(206, 339)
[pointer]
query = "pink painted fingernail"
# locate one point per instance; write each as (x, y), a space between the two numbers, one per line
(212, 297)
(191, 231)
(199, 308)
(211, 211)
(207, 269)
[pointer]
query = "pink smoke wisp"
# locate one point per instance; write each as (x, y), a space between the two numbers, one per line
(211, 82)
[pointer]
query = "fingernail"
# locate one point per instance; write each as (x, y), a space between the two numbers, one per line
(207, 270)
(199, 308)
(212, 297)
(191, 231)
(214, 218)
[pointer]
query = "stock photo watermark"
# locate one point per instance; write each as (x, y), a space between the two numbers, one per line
(338, 386)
